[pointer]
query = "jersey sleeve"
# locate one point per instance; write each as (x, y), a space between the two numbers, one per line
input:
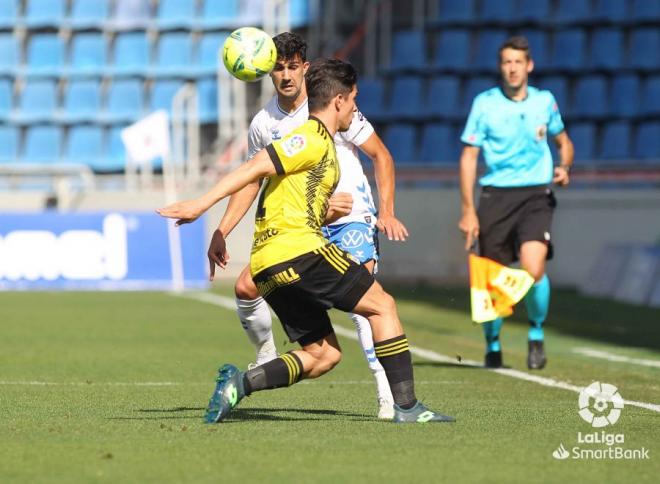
(359, 131)
(555, 123)
(294, 152)
(475, 127)
(255, 143)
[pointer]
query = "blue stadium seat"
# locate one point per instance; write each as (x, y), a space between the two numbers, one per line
(43, 144)
(651, 97)
(439, 144)
(455, 12)
(538, 44)
(442, 98)
(371, 97)
(591, 97)
(6, 97)
(9, 54)
(569, 50)
(496, 11)
(572, 12)
(45, 55)
(82, 100)
(131, 53)
(8, 11)
(645, 11)
(644, 46)
(207, 90)
(583, 136)
(452, 50)
(558, 86)
(475, 86)
(125, 101)
(624, 96)
(174, 56)
(647, 141)
(299, 13)
(615, 141)
(163, 92)
(88, 54)
(532, 11)
(208, 49)
(406, 100)
(400, 139)
(44, 13)
(611, 11)
(38, 101)
(607, 49)
(84, 145)
(131, 14)
(408, 51)
(115, 155)
(176, 14)
(488, 46)
(86, 14)
(220, 14)
(9, 139)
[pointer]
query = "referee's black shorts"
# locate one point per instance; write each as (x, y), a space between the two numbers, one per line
(508, 217)
(302, 289)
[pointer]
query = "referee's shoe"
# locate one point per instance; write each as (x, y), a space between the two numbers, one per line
(228, 392)
(536, 359)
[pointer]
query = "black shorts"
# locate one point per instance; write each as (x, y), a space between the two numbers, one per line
(508, 217)
(301, 290)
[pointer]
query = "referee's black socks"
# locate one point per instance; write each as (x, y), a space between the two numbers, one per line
(394, 355)
(283, 371)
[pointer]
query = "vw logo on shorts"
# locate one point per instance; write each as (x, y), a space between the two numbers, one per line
(600, 404)
(352, 238)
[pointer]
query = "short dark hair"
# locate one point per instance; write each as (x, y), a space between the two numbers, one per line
(326, 78)
(289, 45)
(517, 42)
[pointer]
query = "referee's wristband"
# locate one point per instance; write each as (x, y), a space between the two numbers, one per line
(566, 168)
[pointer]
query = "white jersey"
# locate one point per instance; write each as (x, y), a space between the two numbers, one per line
(272, 123)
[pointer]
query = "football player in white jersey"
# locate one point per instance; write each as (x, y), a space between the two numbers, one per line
(352, 216)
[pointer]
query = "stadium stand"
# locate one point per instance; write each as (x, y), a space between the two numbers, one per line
(452, 52)
(88, 15)
(88, 54)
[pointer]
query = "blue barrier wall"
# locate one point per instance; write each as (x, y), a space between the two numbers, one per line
(114, 251)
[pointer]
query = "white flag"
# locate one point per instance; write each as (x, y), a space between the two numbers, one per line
(149, 138)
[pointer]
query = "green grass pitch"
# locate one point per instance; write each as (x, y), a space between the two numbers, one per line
(111, 387)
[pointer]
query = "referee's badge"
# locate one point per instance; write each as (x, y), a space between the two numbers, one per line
(541, 132)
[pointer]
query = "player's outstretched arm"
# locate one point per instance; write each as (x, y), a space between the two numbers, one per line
(469, 223)
(566, 154)
(387, 222)
(251, 171)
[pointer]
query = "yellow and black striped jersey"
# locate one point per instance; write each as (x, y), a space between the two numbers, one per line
(293, 203)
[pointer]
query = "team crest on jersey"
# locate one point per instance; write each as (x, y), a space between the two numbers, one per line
(541, 132)
(294, 144)
(275, 134)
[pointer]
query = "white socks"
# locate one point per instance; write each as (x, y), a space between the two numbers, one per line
(258, 325)
(367, 342)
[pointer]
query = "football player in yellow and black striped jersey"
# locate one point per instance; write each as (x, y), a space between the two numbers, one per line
(298, 272)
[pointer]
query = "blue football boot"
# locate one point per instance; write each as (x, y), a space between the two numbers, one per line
(228, 392)
(419, 414)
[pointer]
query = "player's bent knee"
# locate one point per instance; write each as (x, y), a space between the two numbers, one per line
(245, 287)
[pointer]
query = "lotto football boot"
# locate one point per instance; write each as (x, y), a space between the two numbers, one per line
(493, 359)
(419, 414)
(228, 392)
(536, 359)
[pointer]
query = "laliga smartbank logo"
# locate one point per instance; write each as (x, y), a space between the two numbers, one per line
(600, 404)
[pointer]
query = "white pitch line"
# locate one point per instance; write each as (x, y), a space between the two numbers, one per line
(89, 384)
(229, 303)
(618, 358)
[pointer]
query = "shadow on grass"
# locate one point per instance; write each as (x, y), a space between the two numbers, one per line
(253, 413)
(598, 320)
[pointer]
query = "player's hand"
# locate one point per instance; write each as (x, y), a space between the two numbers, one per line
(340, 204)
(392, 228)
(469, 225)
(217, 253)
(561, 177)
(185, 212)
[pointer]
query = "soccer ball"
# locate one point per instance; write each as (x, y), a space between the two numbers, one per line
(249, 54)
